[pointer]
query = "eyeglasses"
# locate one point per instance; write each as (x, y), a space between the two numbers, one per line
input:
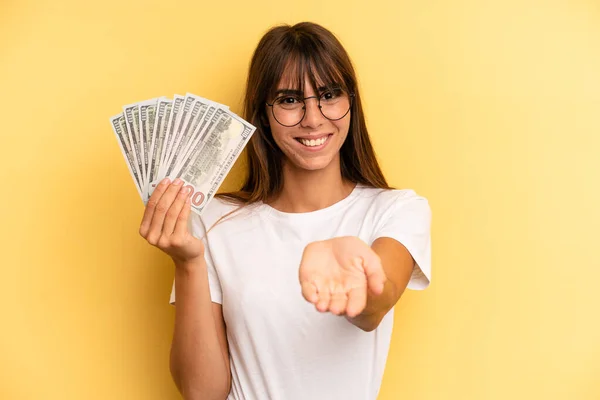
(289, 109)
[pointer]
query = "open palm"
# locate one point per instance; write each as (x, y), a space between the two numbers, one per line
(335, 275)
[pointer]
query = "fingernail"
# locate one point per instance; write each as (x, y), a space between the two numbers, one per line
(165, 181)
(177, 181)
(185, 190)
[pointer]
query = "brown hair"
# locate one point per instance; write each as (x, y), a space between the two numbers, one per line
(313, 51)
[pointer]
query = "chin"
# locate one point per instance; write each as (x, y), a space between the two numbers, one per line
(313, 165)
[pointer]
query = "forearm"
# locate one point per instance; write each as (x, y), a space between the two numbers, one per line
(197, 360)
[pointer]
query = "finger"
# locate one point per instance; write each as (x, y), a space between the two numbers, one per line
(324, 298)
(151, 205)
(375, 275)
(357, 301)
(309, 292)
(182, 221)
(160, 212)
(174, 211)
(338, 302)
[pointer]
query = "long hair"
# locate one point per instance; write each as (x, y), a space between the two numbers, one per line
(306, 49)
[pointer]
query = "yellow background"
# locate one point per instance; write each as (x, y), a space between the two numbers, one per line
(490, 109)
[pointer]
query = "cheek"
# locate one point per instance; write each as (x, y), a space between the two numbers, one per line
(343, 128)
(277, 131)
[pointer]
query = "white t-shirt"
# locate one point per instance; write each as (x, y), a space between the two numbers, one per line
(281, 347)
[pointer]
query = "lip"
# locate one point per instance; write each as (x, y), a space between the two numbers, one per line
(313, 136)
(314, 148)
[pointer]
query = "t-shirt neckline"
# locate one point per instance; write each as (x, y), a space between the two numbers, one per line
(313, 215)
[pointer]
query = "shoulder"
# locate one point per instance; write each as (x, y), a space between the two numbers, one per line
(393, 200)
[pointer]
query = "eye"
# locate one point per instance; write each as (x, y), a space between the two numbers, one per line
(331, 94)
(287, 100)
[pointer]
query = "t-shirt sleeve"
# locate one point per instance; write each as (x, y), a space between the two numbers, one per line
(407, 219)
(198, 229)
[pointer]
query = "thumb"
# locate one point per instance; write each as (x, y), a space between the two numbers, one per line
(373, 268)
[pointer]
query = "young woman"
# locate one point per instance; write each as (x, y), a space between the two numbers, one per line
(285, 289)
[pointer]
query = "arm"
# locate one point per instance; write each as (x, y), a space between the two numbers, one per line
(346, 276)
(397, 264)
(199, 360)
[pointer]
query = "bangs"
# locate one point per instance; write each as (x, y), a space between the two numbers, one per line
(309, 59)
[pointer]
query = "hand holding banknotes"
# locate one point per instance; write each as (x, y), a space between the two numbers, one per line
(165, 222)
(188, 137)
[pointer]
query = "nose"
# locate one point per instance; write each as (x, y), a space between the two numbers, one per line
(312, 117)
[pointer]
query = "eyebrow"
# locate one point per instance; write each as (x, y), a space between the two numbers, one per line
(294, 92)
(288, 92)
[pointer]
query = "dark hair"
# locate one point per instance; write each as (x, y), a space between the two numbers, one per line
(313, 51)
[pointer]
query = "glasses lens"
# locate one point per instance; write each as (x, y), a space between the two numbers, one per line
(288, 110)
(335, 104)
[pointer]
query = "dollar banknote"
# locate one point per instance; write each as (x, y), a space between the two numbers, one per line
(120, 129)
(207, 167)
(188, 137)
(176, 110)
(196, 137)
(192, 120)
(179, 120)
(132, 122)
(163, 112)
(146, 124)
(201, 112)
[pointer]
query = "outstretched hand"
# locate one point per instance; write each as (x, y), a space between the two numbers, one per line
(336, 275)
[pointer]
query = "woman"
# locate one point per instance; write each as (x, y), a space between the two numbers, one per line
(284, 289)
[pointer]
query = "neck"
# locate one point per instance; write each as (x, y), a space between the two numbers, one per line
(306, 191)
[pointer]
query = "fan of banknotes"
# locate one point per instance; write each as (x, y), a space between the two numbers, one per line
(187, 137)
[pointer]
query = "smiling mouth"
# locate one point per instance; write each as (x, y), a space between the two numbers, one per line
(314, 142)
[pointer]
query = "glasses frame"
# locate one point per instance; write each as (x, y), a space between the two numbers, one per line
(350, 98)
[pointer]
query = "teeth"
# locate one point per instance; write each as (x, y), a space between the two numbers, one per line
(313, 142)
